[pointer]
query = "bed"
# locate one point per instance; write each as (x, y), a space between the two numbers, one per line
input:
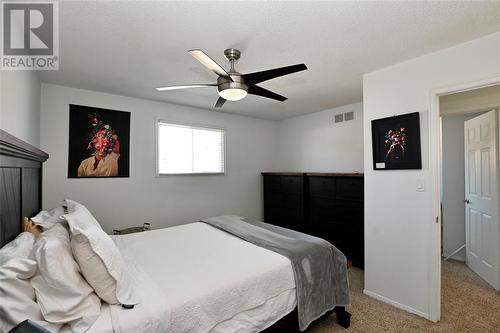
(209, 280)
(200, 292)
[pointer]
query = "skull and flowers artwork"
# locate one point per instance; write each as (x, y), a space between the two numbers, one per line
(98, 142)
(396, 142)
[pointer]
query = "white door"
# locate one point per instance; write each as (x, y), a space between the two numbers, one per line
(481, 197)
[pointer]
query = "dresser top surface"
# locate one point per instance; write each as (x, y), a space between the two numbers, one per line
(315, 174)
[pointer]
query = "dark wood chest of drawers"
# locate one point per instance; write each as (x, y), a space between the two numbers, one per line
(329, 206)
(284, 200)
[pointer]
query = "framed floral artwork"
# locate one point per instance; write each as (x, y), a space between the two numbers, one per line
(99, 142)
(396, 142)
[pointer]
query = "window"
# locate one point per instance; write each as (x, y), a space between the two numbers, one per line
(184, 149)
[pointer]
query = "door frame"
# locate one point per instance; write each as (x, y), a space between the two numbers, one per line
(435, 165)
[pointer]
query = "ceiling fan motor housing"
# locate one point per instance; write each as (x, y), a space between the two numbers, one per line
(238, 82)
(232, 90)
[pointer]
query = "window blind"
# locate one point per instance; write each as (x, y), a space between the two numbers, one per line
(184, 149)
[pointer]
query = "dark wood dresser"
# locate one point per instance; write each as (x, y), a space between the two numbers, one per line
(284, 199)
(327, 205)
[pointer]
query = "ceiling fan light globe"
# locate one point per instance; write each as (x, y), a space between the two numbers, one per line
(233, 94)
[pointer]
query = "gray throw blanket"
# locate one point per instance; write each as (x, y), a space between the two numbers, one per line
(319, 268)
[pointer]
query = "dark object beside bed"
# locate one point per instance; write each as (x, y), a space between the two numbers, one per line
(28, 326)
(20, 184)
(145, 227)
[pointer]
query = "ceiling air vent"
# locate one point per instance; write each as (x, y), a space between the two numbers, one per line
(348, 116)
(339, 118)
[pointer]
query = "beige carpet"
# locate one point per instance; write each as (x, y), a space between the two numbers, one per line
(468, 304)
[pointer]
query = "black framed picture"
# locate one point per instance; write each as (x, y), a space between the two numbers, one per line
(396, 142)
(99, 141)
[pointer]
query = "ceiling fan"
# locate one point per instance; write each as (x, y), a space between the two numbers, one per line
(233, 86)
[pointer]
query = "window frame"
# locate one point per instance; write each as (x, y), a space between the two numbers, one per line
(158, 121)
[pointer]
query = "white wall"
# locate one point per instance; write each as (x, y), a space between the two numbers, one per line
(20, 105)
(122, 202)
(398, 220)
(453, 188)
(315, 143)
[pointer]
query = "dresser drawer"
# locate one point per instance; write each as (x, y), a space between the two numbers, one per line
(327, 210)
(321, 187)
(321, 208)
(349, 211)
(272, 184)
(292, 185)
(349, 188)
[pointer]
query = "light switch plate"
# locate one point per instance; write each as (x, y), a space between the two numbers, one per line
(420, 185)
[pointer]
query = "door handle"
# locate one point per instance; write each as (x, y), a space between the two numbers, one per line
(467, 201)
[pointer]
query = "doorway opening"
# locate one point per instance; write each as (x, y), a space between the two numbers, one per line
(469, 200)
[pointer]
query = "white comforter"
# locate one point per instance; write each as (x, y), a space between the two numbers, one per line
(196, 278)
(152, 313)
(203, 275)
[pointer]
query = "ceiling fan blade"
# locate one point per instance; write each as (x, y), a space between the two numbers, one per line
(220, 102)
(254, 78)
(187, 86)
(259, 91)
(209, 62)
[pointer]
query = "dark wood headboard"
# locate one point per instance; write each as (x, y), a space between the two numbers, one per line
(20, 184)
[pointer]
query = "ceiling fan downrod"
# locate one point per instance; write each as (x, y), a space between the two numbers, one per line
(232, 55)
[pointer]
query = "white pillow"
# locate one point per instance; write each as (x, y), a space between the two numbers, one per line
(99, 258)
(93, 269)
(62, 293)
(16, 293)
(48, 218)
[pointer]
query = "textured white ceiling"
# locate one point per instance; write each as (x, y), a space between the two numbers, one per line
(131, 47)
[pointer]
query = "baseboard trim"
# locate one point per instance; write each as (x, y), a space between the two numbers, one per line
(457, 257)
(395, 304)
